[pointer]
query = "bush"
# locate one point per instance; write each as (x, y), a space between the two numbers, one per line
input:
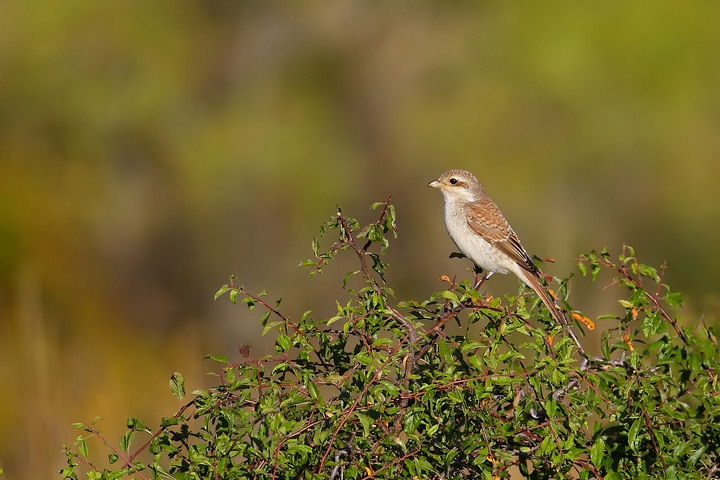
(385, 389)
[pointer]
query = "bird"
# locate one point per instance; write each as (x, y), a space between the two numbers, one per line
(480, 231)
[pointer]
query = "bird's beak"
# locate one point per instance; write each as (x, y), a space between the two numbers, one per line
(434, 184)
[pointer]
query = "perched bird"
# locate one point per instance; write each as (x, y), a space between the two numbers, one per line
(483, 235)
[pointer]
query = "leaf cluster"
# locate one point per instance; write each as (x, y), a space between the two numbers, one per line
(458, 385)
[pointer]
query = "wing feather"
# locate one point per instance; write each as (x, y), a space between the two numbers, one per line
(485, 219)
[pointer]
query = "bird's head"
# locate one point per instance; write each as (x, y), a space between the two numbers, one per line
(458, 185)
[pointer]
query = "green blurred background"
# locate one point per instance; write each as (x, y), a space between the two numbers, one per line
(149, 149)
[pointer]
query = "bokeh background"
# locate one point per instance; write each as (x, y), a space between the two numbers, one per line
(150, 149)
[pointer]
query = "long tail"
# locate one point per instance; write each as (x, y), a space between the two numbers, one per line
(533, 282)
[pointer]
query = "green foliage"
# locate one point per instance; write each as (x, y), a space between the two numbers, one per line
(387, 389)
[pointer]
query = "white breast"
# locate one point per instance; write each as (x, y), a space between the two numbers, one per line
(486, 256)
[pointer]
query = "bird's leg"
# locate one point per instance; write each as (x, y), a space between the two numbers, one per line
(477, 271)
(480, 280)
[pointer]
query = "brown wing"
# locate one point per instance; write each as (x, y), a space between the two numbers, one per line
(485, 219)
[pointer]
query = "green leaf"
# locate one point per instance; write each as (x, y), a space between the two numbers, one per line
(168, 422)
(630, 254)
(348, 277)
(137, 424)
(448, 295)
(476, 362)
(455, 396)
(633, 434)
(250, 302)
(625, 303)
(127, 440)
(82, 447)
(382, 341)
(693, 459)
(364, 358)
(648, 271)
(411, 422)
(177, 385)
(313, 391)
(365, 421)
(582, 268)
(334, 319)
(283, 341)
(444, 351)
(280, 367)
(270, 326)
(224, 289)
(650, 325)
(216, 358)
(317, 268)
(390, 387)
(550, 408)
(597, 452)
(674, 299)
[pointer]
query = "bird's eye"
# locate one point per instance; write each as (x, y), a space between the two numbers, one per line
(453, 181)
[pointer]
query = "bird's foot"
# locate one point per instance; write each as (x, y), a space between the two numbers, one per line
(480, 280)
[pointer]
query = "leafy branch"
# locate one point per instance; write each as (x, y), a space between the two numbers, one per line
(459, 385)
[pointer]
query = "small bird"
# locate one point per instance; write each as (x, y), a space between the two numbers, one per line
(483, 235)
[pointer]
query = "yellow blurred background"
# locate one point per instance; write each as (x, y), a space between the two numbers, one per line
(150, 149)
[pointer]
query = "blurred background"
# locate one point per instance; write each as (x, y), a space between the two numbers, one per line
(150, 149)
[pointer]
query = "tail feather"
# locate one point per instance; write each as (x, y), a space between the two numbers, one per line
(533, 282)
